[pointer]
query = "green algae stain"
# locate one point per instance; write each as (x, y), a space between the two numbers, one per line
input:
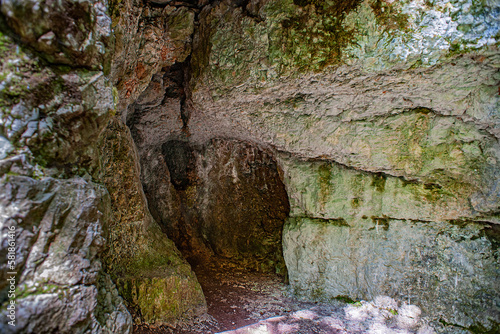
(378, 181)
(289, 37)
(388, 16)
(345, 299)
(355, 202)
(380, 221)
(309, 34)
(324, 181)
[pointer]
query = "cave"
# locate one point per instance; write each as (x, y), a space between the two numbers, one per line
(227, 219)
(271, 166)
(231, 204)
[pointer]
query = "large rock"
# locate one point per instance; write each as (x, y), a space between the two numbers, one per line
(51, 116)
(58, 238)
(358, 234)
(400, 102)
(450, 271)
(221, 197)
(53, 111)
(55, 118)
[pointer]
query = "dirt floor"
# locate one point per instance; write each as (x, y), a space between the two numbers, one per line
(236, 298)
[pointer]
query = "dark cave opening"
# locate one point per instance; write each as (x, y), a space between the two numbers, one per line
(224, 205)
(221, 201)
(227, 204)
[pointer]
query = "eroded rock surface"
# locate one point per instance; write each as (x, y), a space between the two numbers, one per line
(386, 115)
(152, 276)
(58, 228)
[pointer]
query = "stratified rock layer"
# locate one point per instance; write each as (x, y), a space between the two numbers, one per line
(386, 118)
(380, 118)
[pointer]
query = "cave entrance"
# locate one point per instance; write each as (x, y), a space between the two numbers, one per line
(224, 204)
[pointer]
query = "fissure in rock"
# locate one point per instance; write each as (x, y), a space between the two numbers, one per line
(221, 201)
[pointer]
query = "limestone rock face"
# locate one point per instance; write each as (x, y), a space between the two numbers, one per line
(219, 198)
(50, 117)
(64, 32)
(153, 277)
(385, 117)
(58, 235)
(358, 234)
(369, 130)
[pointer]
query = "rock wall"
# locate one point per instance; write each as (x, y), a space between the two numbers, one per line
(151, 275)
(380, 118)
(51, 114)
(58, 226)
(63, 147)
(358, 234)
(385, 117)
(223, 202)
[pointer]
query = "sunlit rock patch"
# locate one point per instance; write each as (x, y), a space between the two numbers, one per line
(381, 316)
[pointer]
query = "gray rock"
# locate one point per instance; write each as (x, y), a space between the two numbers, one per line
(59, 235)
(5, 147)
(449, 271)
(81, 29)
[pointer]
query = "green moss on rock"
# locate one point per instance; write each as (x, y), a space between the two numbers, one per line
(151, 275)
(162, 299)
(311, 35)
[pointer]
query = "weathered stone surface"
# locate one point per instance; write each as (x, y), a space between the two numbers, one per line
(400, 100)
(159, 107)
(449, 271)
(260, 44)
(148, 38)
(55, 112)
(362, 125)
(393, 119)
(152, 276)
(328, 190)
(58, 240)
(358, 234)
(51, 116)
(164, 297)
(64, 32)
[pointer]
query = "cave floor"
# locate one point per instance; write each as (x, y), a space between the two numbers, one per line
(245, 302)
(238, 300)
